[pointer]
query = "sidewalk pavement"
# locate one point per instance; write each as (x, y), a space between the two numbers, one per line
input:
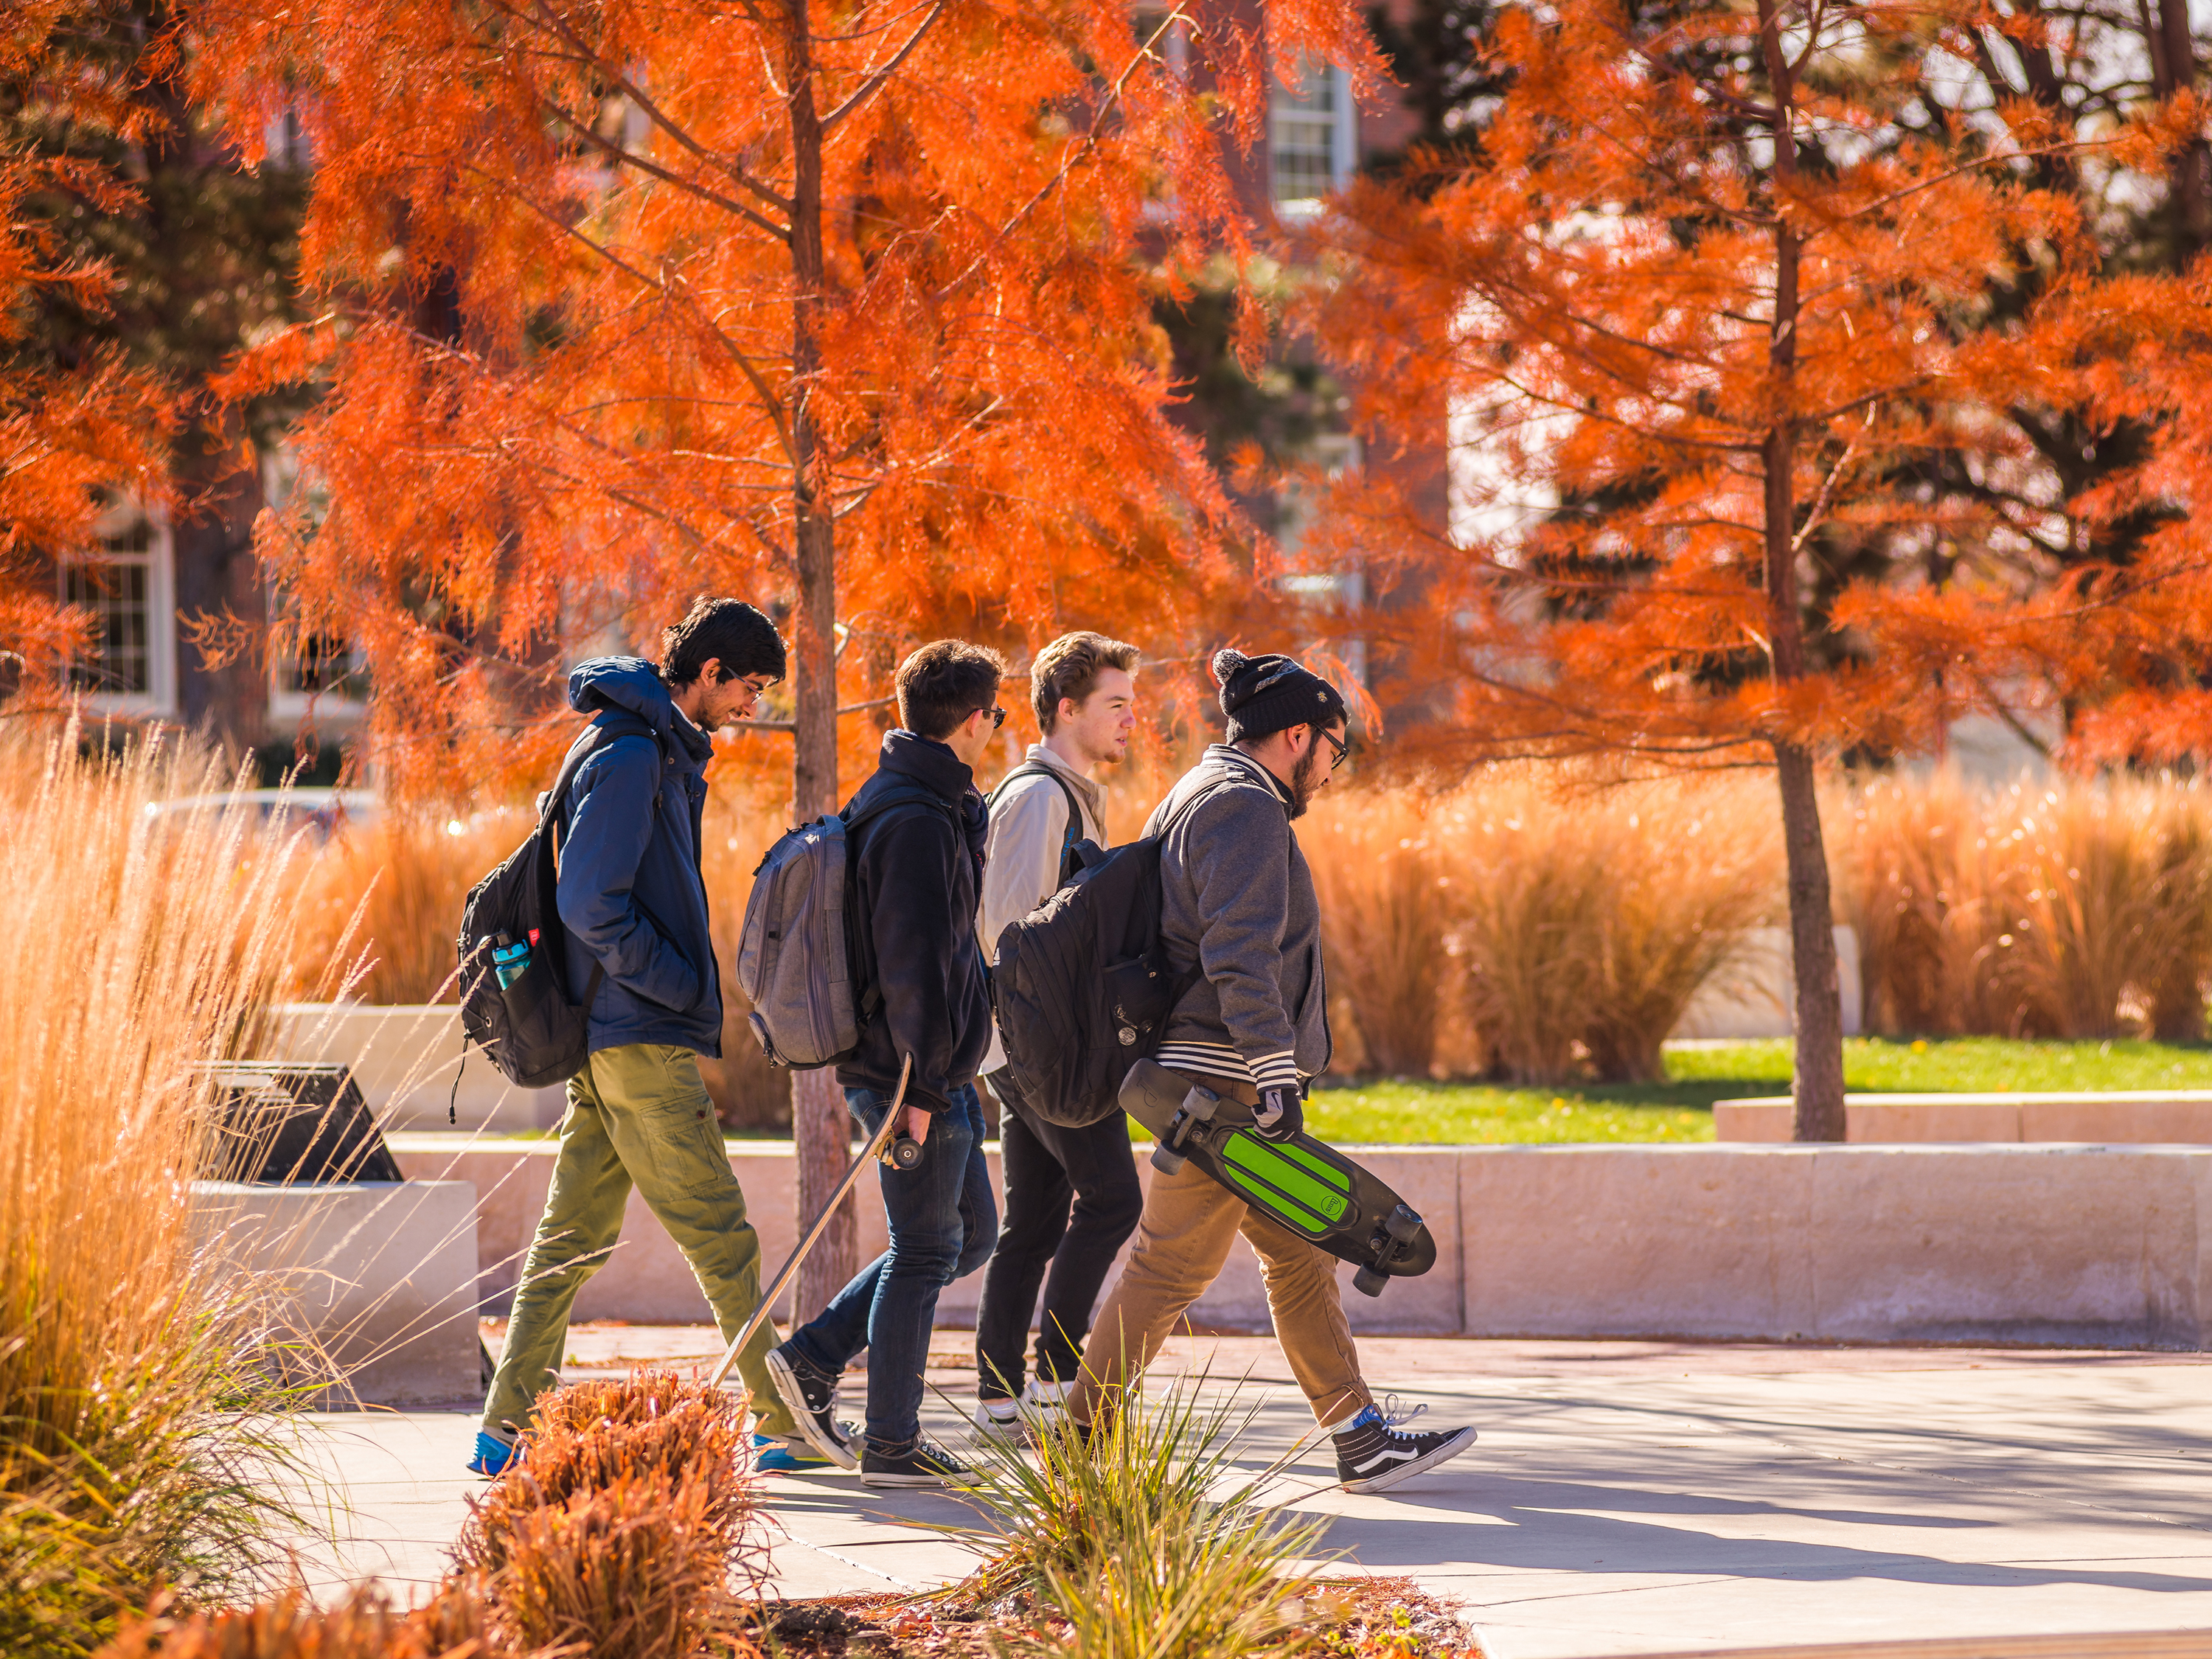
(1624, 1497)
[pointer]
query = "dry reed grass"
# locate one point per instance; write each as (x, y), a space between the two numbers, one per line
(130, 1377)
(628, 1524)
(1587, 913)
(2066, 909)
(394, 886)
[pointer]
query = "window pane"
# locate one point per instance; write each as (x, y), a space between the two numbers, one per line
(1302, 136)
(118, 592)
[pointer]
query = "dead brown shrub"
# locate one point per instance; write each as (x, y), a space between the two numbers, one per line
(289, 1625)
(628, 1524)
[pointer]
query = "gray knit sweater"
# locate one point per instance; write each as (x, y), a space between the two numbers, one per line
(1237, 901)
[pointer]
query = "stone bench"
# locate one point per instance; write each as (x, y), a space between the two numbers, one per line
(2066, 1245)
(380, 1275)
(2123, 1117)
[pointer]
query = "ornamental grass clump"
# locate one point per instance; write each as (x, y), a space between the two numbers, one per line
(2060, 910)
(1384, 898)
(1587, 913)
(1150, 1542)
(136, 1447)
(628, 1528)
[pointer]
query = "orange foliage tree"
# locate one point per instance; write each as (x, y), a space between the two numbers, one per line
(838, 305)
(76, 437)
(1711, 286)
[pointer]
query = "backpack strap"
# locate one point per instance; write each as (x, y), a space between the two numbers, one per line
(1074, 831)
(589, 742)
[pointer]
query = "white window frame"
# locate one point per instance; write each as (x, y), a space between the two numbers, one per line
(289, 708)
(1344, 138)
(160, 698)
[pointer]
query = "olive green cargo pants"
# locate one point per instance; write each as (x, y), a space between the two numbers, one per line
(639, 1114)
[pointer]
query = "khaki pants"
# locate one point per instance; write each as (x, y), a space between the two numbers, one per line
(638, 1115)
(1183, 1236)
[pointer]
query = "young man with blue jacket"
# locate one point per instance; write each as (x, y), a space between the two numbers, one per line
(634, 904)
(916, 865)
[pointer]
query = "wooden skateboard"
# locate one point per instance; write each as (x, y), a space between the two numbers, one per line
(1306, 1185)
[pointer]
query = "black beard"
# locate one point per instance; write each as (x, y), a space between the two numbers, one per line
(1304, 784)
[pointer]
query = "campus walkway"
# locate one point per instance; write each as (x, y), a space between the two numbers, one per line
(1626, 1497)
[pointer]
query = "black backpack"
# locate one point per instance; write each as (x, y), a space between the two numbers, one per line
(534, 1034)
(1081, 986)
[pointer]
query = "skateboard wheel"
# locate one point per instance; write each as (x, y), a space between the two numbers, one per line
(1402, 1224)
(1166, 1162)
(1370, 1281)
(1199, 1103)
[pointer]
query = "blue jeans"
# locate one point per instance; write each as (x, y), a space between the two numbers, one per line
(943, 1223)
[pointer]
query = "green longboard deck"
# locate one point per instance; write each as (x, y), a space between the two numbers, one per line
(1305, 1192)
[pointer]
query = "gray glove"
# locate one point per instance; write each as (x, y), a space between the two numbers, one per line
(1279, 1115)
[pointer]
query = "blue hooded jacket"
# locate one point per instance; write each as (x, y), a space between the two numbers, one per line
(631, 893)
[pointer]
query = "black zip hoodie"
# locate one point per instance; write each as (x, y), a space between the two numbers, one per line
(917, 869)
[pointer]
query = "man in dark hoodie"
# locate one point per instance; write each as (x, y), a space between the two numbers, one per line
(916, 867)
(632, 903)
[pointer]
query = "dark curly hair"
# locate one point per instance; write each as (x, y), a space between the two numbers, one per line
(729, 631)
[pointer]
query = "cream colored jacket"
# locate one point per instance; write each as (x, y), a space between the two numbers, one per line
(1021, 855)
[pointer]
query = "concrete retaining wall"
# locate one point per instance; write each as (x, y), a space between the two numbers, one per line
(380, 1274)
(2127, 1117)
(2071, 1245)
(407, 1061)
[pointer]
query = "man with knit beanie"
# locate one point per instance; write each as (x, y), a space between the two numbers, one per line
(1237, 911)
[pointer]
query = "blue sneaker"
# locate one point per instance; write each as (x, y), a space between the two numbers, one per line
(493, 1454)
(774, 1456)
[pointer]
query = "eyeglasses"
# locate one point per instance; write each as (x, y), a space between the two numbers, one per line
(1339, 751)
(998, 716)
(757, 685)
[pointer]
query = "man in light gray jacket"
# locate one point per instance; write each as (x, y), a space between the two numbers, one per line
(1071, 1194)
(1237, 907)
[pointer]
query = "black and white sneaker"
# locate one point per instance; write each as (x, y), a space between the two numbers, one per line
(813, 1398)
(925, 1463)
(1372, 1456)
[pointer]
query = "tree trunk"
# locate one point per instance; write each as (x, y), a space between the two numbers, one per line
(2189, 203)
(819, 1124)
(1817, 1082)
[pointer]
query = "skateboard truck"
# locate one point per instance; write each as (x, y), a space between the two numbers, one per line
(1198, 1106)
(1391, 1239)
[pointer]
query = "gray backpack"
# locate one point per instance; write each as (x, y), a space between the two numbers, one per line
(794, 957)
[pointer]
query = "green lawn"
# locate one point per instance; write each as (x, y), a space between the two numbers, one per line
(1680, 1108)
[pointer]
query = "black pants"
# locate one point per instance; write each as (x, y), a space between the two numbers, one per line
(1046, 1167)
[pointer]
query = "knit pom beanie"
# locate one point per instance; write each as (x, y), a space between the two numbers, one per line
(1261, 695)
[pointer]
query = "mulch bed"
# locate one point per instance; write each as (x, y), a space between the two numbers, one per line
(1351, 1619)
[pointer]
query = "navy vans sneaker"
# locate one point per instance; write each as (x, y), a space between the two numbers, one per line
(1372, 1456)
(813, 1398)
